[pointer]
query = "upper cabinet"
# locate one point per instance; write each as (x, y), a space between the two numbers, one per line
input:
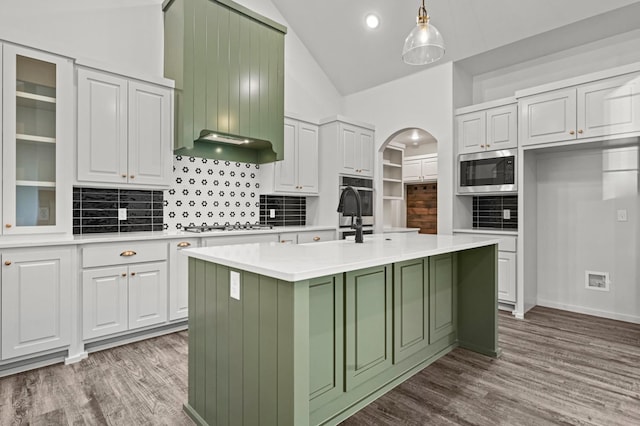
(421, 168)
(37, 141)
(352, 144)
(487, 130)
(298, 173)
(601, 108)
(228, 65)
(124, 131)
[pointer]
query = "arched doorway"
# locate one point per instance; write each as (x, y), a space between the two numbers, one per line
(409, 180)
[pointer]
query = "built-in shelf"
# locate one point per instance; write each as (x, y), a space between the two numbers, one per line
(33, 138)
(392, 165)
(392, 159)
(389, 197)
(35, 97)
(38, 183)
(392, 180)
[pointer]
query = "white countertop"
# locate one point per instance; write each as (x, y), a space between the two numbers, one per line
(490, 231)
(291, 262)
(60, 240)
(394, 230)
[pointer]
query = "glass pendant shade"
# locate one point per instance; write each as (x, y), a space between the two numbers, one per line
(424, 44)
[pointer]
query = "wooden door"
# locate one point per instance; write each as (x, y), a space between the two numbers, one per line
(104, 301)
(422, 207)
(147, 294)
(36, 301)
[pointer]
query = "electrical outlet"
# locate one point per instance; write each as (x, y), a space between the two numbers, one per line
(506, 214)
(122, 214)
(234, 285)
(272, 213)
(622, 215)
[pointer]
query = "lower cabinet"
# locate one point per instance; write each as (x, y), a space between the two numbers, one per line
(36, 300)
(307, 237)
(442, 300)
(507, 276)
(179, 278)
(368, 319)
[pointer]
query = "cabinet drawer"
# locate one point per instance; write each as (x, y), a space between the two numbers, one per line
(123, 253)
(240, 239)
(316, 237)
(507, 242)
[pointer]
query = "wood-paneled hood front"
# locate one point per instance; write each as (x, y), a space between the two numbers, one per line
(228, 65)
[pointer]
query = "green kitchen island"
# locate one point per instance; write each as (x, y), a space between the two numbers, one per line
(284, 334)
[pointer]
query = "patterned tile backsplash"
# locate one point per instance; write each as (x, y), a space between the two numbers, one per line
(211, 192)
(489, 212)
(288, 210)
(95, 210)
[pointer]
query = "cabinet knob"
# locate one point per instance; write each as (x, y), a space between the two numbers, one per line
(124, 274)
(183, 244)
(580, 131)
(571, 132)
(316, 238)
(133, 274)
(8, 225)
(128, 253)
(132, 176)
(488, 145)
(481, 146)
(7, 262)
(124, 175)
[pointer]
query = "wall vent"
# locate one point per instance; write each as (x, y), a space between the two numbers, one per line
(597, 280)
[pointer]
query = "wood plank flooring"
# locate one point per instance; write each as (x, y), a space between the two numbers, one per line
(556, 368)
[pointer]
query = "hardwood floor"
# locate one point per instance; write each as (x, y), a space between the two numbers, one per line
(556, 368)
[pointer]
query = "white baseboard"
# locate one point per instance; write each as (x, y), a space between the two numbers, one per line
(588, 311)
(76, 358)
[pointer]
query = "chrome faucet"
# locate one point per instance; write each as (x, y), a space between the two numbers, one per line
(357, 222)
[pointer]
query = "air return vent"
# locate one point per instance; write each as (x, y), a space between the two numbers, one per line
(597, 280)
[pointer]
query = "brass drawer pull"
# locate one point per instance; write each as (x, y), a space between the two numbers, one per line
(316, 238)
(128, 253)
(133, 274)
(124, 175)
(7, 262)
(124, 274)
(580, 131)
(183, 244)
(8, 225)
(132, 176)
(572, 132)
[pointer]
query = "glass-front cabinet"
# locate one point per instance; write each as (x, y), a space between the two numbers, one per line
(37, 118)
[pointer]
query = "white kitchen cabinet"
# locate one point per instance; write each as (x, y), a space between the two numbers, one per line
(124, 287)
(487, 130)
(355, 150)
(298, 172)
(507, 276)
(307, 237)
(179, 278)
(37, 136)
(602, 108)
(36, 300)
(422, 169)
(124, 130)
(240, 239)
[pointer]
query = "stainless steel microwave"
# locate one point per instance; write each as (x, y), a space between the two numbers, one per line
(487, 172)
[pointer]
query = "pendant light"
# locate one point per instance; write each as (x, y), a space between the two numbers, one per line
(424, 44)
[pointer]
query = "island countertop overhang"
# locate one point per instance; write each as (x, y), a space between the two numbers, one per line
(297, 262)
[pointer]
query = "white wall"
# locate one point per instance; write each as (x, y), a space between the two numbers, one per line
(601, 55)
(126, 34)
(422, 100)
(578, 231)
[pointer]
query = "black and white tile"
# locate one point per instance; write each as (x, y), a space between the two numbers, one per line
(488, 212)
(287, 210)
(211, 192)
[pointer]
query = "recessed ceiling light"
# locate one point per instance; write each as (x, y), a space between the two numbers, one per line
(372, 21)
(415, 136)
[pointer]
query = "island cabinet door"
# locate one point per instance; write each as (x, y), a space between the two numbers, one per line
(368, 316)
(326, 340)
(442, 313)
(410, 308)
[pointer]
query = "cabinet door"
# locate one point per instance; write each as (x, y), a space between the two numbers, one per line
(316, 236)
(179, 278)
(412, 170)
(285, 170)
(507, 276)
(368, 316)
(149, 134)
(347, 147)
(36, 308)
(502, 127)
(38, 139)
(430, 169)
(411, 308)
(472, 134)
(102, 127)
(147, 294)
(550, 117)
(326, 343)
(442, 312)
(307, 155)
(365, 153)
(609, 107)
(104, 301)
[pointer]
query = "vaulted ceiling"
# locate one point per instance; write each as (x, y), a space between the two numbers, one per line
(356, 58)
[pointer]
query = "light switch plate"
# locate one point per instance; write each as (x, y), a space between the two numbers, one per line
(506, 214)
(234, 285)
(622, 215)
(122, 214)
(272, 213)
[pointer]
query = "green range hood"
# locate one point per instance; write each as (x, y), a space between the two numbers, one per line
(228, 65)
